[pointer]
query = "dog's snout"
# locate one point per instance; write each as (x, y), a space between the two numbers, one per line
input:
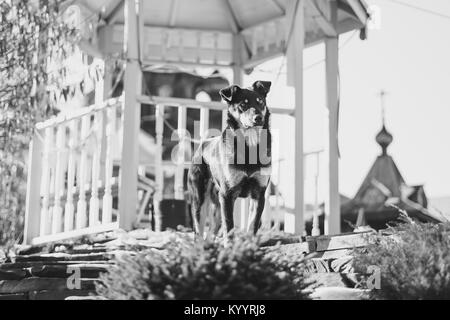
(257, 118)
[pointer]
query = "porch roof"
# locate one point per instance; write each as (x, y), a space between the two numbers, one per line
(264, 25)
(230, 15)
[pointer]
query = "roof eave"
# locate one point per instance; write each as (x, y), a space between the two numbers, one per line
(360, 9)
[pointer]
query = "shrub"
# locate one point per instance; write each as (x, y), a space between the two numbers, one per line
(205, 269)
(32, 34)
(414, 261)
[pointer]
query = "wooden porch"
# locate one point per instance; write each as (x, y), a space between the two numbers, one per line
(72, 190)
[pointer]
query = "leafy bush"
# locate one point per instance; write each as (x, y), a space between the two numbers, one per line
(414, 261)
(32, 34)
(205, 269)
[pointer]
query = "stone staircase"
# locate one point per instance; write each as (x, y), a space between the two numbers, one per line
(69, 270)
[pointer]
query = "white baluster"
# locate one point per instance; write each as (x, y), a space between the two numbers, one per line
(316, 225)
(45, 187)
(204, 123)
(60, 169)
(69, 207)
(159, 174)
(179, 173)
(81, 217)
(107, 197)
(94, 201)
(216, 47)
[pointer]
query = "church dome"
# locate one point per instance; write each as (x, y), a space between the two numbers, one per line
(384, 139)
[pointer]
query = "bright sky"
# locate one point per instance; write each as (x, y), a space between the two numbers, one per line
(409, 57)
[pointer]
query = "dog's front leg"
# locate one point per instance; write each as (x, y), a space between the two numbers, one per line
(256, 212)
(226, 209)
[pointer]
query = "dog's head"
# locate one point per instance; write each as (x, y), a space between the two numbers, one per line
(248, 106)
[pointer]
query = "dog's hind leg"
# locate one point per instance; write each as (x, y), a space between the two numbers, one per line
(197, 181)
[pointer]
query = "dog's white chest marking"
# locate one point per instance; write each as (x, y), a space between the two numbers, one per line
(234, 175)
(253, 136)
(262, 176)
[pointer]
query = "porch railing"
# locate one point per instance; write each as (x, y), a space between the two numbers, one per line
(72, 189)
(70, 181)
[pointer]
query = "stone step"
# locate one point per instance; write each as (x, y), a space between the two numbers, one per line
(53, 257)
(81, 298)
(13, 274)
(24, 265)
(338, 293)
(41, 284)
(16, 296)
(63, 271)
(59, 295)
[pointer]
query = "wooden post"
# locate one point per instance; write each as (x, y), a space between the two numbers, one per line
(33, 201)
(332, 201)
(128, 199)
(315, 231)
(179, 172)
(159, 170)
(295, 54)
(241, 205)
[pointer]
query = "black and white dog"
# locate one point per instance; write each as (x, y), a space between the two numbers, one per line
(238, 162)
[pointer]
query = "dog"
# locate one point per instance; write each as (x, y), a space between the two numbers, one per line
(237, 163)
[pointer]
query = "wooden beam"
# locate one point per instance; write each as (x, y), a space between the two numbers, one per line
(290, 18)
(359, 10)
(326, 26)
(331, 156)
(33, 196)
(131, 118)
(261, 58)
(75, 233)
(277, 6)
(195, 104)
(149, 64)
(173, 12)
(295, 49)
(241, 205)
(115, 13)
(232, 20)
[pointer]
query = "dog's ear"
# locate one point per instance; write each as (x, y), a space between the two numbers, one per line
(262, 87)
(229, 93)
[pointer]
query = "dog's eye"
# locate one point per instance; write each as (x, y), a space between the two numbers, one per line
(246, 101)
(259, 100)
